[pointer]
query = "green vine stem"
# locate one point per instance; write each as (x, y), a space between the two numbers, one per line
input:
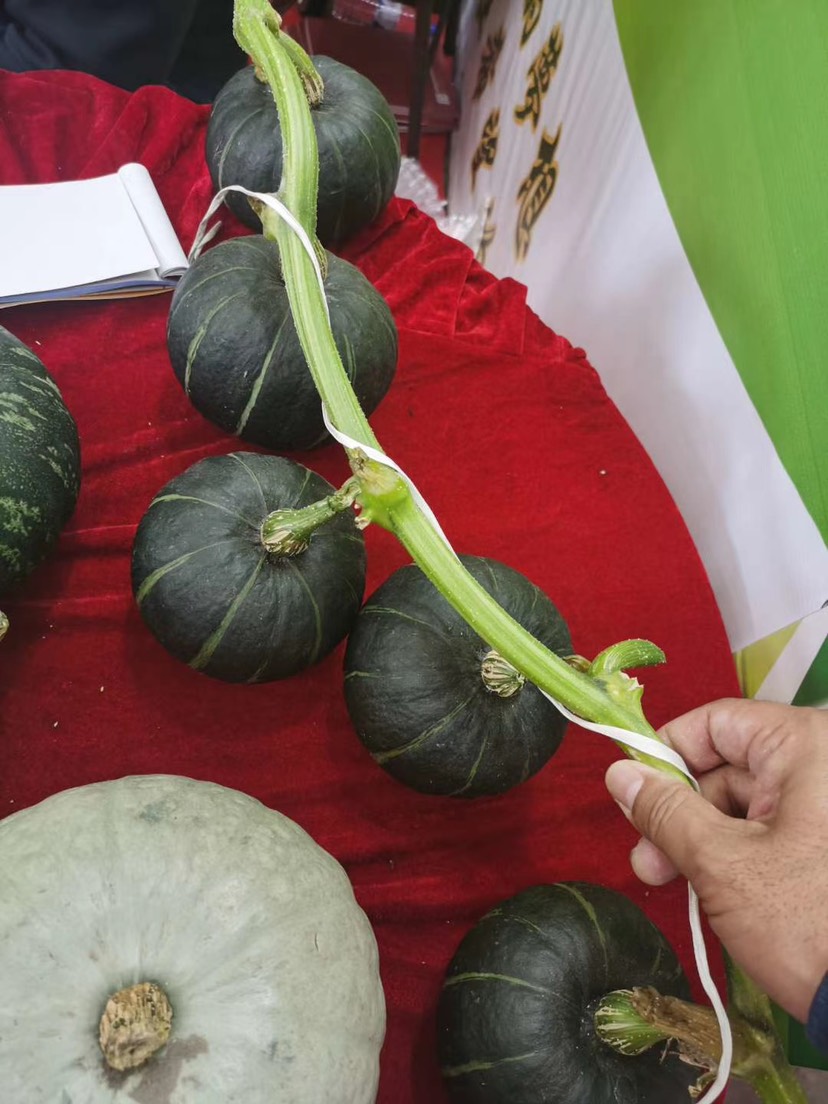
(311, 80)
(771, 1076)
(384, 496)
(602, 696)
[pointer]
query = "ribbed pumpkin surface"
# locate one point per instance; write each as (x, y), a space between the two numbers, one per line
(357, 136)
(39, 461)
(211, 593)
(249, 926)
(416, 695)
(235, 350)
(515, 1013)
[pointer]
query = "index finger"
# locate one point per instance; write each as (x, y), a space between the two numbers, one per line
(732, 730)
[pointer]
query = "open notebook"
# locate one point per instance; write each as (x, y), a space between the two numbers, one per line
(109, 237)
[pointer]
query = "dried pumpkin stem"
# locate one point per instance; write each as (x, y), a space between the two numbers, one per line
(499, 676)
(135, 1024)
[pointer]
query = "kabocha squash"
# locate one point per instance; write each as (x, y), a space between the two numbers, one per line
(228, 585)
(175, 942)
(515, 1016)
(357, 137)
(433, 704)
(235, 350)
(39, 461)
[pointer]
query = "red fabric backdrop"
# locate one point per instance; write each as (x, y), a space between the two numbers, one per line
(507, 431)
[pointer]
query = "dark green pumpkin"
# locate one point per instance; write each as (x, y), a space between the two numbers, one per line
(39, 461)
(357, 137)
(235, 350)
(515, 1014)
(416, 694)
(211, 593)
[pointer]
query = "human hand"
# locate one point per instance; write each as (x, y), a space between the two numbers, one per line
(755, 846)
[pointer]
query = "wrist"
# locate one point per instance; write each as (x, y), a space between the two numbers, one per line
(797, 986)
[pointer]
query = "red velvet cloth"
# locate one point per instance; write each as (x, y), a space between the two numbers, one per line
(510, 436)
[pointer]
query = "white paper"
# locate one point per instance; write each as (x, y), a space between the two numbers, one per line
(171, 259)
(86, 237)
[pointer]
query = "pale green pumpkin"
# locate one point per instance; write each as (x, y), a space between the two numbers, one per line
(247, 926)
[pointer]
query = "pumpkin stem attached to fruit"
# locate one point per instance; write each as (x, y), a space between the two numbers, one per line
(288, 532)
(632, 1021)
(4, 624)
(135, 1024)
(256, 27)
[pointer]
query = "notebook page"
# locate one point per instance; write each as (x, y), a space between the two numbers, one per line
(172, 260)
(69, 234)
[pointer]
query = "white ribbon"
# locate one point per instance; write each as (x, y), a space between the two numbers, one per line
(381, 458)
(645, 744)
(203, 235)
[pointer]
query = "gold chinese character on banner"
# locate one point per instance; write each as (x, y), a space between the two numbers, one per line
(487, 235)
(481, 11)
(488, 62)
(531, 14)
(486, 150)
(540, 74)
(536, 191)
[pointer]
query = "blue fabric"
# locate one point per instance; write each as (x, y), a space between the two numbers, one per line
(817, 1029)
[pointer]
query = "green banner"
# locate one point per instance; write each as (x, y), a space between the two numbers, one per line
(733, 99)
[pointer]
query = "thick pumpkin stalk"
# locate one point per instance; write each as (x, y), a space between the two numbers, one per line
(599, 691)
(384, 496)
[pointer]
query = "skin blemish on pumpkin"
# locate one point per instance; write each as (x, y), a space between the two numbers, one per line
(154, 812)
(159, 1080)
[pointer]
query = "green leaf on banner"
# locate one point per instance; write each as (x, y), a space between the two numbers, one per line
(814, 688)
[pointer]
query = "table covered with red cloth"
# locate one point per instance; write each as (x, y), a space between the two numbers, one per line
(510, 436)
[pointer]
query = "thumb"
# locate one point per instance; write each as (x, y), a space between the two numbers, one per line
(671, 815)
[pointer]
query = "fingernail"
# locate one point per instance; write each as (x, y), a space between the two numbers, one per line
(623, 780)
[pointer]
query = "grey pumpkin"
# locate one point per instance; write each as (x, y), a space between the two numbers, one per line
(203, 941)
